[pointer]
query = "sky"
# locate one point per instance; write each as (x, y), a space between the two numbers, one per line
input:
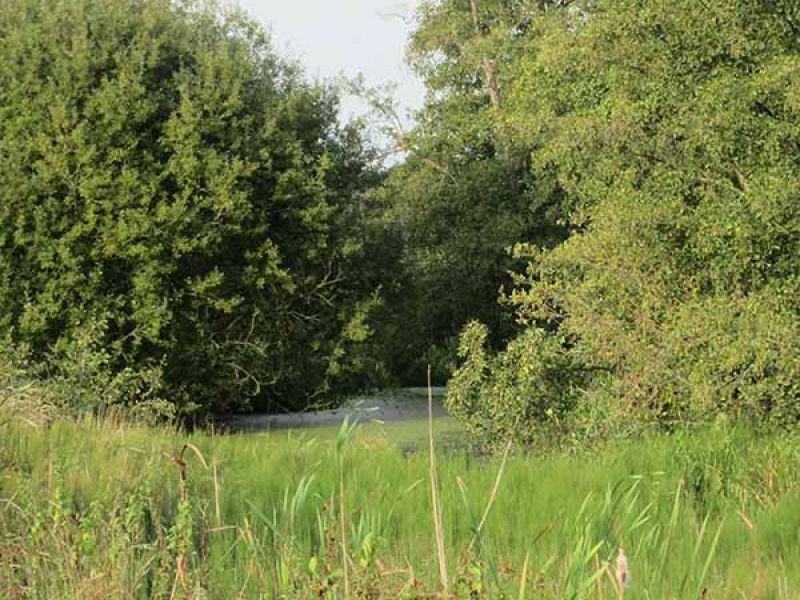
(345, 36)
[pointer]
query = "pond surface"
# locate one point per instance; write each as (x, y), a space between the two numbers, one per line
(399, 415)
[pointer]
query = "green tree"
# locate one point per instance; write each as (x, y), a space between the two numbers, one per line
(465, 191)
(673, 129)
(171, 185)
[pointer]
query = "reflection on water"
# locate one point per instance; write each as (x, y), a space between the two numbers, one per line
(400, 417)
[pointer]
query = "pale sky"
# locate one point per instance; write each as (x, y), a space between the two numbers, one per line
(345, 36)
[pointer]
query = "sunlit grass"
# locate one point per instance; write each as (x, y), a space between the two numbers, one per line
(93, 509)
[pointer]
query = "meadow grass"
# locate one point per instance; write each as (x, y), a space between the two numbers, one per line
(106, 509)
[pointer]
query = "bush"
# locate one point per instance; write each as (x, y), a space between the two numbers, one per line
(530, 388)
(177, 192)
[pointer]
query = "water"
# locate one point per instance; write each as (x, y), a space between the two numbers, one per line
(400, 416)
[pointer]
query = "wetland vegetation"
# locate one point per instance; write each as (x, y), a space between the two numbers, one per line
(105, 509)
(590, 235)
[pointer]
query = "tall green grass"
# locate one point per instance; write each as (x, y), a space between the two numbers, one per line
(105, 509)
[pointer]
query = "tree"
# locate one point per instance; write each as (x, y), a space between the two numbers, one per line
(465, 191)
(171, 185)
(672, 127)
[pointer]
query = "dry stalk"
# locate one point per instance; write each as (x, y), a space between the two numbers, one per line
(613, 579)
(182, 466)
(598, 584)
(181, 561)
(623, 573)
(492, 497)
(216, 494)
(344, 539)
(523, 580)
(435, 501)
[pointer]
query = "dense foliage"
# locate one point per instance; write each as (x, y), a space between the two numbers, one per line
(178, 207)
(673, 129)
(465, 191)
(185, 223)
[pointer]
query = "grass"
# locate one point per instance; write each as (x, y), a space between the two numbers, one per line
(100, 509)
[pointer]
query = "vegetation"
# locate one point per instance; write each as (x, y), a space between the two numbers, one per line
(187, 228)
(104, 509)
(464, 193)
(178, 207)
(184, 216)
(671, 129)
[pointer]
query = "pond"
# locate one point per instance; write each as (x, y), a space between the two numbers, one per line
(399, 415)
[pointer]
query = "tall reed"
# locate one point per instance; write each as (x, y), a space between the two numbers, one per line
(92, 509)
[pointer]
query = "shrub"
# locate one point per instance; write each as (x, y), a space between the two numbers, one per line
(530, 388)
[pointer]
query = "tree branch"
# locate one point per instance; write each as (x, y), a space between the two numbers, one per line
(489, 71)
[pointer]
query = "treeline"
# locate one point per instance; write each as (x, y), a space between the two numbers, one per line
(185, 222)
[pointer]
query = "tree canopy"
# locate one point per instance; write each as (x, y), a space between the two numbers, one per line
(465, 192)
(672, 128)
(176, 202)
(184, 215)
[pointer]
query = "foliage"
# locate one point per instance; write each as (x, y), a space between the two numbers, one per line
(531, 384)
(672, 129)
(464, 192)
(185, 225)
(173, 191)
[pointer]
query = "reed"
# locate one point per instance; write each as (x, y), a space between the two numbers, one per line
(91, 509)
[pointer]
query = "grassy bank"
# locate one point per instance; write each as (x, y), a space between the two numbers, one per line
(99, 509)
